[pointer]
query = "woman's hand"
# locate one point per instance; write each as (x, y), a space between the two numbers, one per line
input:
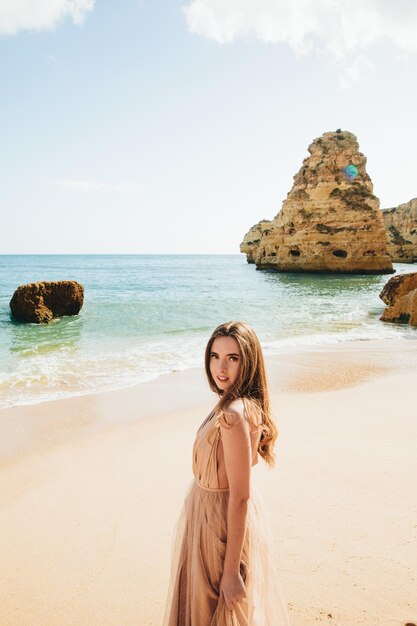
(233, 589)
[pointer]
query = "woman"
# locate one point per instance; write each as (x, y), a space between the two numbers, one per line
(222, 573)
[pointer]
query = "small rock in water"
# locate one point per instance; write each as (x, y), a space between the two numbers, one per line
(40, 303)
(400, 294)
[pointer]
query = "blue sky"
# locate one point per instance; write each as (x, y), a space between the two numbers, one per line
(172, 127)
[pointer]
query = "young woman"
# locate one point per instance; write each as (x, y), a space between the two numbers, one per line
(222, 572)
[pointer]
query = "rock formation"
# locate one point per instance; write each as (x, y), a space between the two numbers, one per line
(398, 286)
(400, 294)
(252, 239)
(40, 303)
(401, 225)
(330, 220)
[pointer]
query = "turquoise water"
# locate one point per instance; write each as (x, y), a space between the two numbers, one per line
(144, 315)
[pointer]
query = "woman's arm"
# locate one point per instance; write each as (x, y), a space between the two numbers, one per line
(238, 462)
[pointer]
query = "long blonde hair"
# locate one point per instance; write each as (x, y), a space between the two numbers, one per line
(251, 384)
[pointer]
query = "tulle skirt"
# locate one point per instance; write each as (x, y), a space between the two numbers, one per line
(197, 556)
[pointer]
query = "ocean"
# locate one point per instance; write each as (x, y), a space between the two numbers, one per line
(145, 315)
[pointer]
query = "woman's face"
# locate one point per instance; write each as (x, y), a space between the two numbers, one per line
(225, 361)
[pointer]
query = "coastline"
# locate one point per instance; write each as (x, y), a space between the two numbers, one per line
(129, 332)
(92, 485)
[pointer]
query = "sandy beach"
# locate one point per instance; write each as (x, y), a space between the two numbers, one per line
(91, 486)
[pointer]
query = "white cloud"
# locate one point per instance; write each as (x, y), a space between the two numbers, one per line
(354, 73)
(338, 26)
(92, 186)
(18, 15)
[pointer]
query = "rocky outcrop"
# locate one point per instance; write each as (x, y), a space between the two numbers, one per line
(40, 303)
(252, 239)
(330, 220)
(400, 293)
(398, 286)
(401, 225)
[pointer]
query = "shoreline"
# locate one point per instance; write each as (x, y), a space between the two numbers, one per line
(270, 353)
(29, 428)
(91, 487)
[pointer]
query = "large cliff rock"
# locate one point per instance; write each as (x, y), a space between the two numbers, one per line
(330, 220)
(401, 225)
(41, 302)
(400, 293)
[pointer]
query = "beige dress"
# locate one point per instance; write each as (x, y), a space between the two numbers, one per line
(199, 546)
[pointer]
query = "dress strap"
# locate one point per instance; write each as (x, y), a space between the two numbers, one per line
(209, 416)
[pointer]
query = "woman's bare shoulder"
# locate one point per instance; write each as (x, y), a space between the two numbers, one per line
(245, 409)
